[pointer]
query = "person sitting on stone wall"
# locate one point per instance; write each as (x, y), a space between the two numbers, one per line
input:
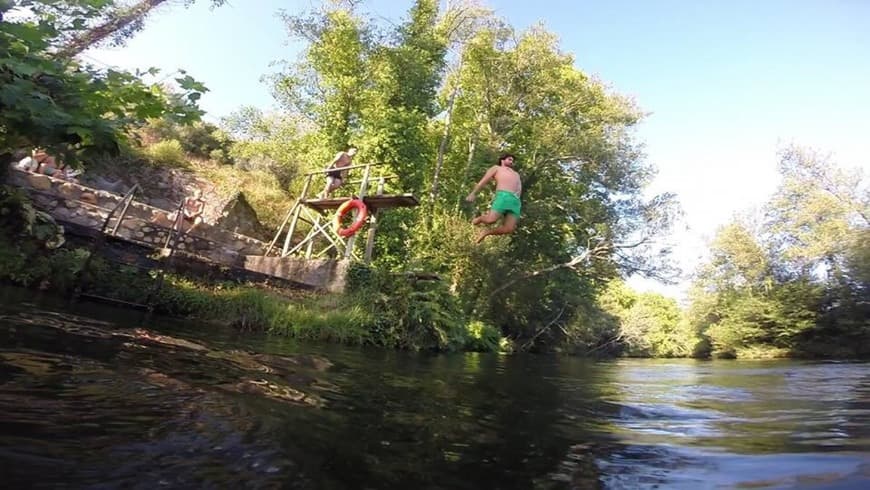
(42, 163)
(33, 162)
(191, 210)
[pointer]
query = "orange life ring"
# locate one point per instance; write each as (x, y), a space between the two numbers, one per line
(357, 223)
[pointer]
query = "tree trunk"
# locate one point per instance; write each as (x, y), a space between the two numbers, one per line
(472, 146)
(115, 23)
(442, 148)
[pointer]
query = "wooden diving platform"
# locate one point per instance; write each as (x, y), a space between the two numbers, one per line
(372, 202)
(315, 212)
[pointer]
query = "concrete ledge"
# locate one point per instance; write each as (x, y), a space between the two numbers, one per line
(330, 275)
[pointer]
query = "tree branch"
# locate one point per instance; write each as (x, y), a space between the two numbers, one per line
(115, 23)
(544, 329)
(596, 251)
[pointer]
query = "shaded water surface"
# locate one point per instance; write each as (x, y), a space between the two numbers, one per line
(99, 398)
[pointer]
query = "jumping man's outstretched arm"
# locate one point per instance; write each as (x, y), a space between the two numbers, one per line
(483, 181)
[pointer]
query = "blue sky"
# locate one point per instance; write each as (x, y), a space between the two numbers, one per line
(725, 83)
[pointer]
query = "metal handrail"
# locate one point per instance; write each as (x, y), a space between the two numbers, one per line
(101, 238)
(129, 200)
(126, 200)
(173, 230)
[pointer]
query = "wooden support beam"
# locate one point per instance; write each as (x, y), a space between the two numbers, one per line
(283, 224)
(387, 177)
(350, 167)
(311, 242)
(373, 226)
(386, 201)
(317, 228)
(348, 251)
(292, 229)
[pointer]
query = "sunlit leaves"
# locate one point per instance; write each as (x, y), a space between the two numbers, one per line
(798, 279)
(67, 106)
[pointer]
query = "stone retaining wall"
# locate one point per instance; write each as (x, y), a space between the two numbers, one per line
(147, 225)
(67, 201)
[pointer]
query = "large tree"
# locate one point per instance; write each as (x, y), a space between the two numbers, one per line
(436, 98)
(584, 219)
(795, 280)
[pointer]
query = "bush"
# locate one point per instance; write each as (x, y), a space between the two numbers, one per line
(482, 337)
(199, 139)
(262, 191)
(408, 313)
(168, 152)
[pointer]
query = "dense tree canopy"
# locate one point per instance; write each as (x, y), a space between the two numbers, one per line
(796, 280)
(436, 99)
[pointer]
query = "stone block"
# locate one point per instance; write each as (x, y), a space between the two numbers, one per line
(69, 191)
(330, 275)
(39, 182)
(88, 197)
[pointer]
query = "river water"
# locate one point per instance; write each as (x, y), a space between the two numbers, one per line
(92, 397)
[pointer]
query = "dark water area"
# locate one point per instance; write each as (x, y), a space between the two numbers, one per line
(96, 397)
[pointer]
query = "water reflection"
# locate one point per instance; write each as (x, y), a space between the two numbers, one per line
(93, 399)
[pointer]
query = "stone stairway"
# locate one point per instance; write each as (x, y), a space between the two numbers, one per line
(83, 210)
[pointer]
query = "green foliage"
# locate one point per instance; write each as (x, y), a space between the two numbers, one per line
(22, 265)
(648, 324)
(19, 217)
(746, 304)
(71, 108)
(402, 95)
(408, 313)
(198, 139)
(795, 284)
(29, 245)
(167, 153)
(483, 338)
(275, 144)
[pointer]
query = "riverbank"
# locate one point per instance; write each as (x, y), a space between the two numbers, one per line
(378, 309)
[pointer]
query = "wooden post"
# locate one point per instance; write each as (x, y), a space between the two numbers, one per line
(373, 226)
(281, 228)
(292, 229)
(311, 241)
(348, 251)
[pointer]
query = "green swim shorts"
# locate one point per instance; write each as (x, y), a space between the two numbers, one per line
(506, 202)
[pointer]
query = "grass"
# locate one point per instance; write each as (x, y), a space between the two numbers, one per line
(308, 317)
(262, 190)
(399, 316)
(763, 352)
(167, 153)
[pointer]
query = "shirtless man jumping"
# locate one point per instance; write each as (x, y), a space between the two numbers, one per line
(507, 198)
